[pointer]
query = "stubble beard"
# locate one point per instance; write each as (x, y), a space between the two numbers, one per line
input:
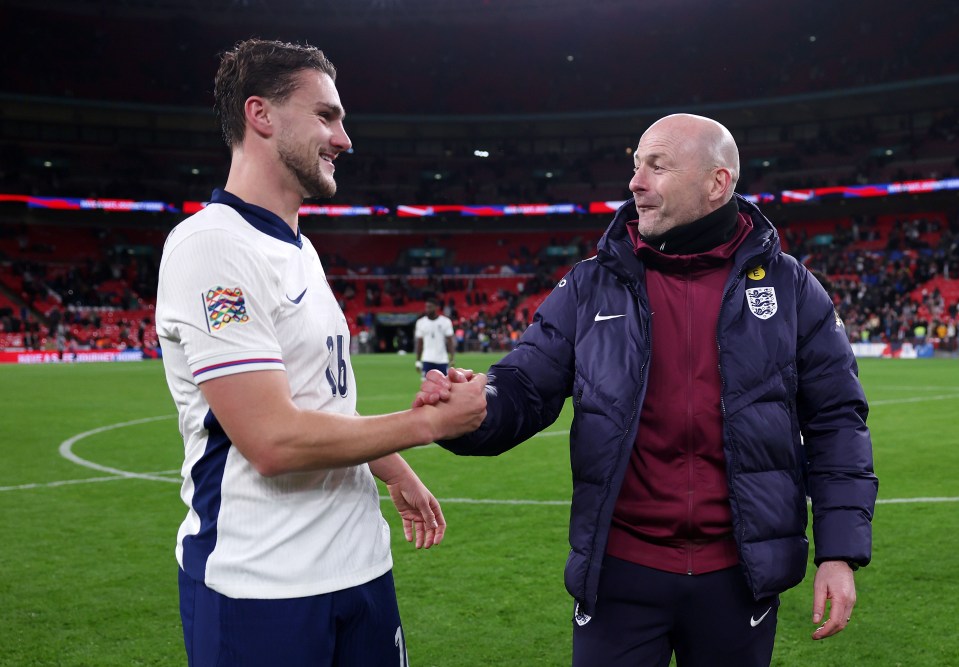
(650, 228)
(307, 173)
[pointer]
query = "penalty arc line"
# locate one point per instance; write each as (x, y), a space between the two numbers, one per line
(93, 480)
(66, 450)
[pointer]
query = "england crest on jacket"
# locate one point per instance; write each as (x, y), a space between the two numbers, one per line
(762, 301)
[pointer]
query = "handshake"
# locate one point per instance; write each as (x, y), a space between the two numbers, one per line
(458, 398)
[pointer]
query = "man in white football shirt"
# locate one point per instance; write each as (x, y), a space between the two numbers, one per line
(435, 346)
(284, 554)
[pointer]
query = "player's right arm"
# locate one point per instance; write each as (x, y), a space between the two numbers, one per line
(257, 413)
(217, 303)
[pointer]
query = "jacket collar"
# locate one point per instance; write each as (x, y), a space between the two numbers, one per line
(615, 248)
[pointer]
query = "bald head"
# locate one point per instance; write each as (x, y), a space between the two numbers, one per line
(706, 141)
(685, 167)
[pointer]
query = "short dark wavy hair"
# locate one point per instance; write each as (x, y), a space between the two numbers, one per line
(260, 67)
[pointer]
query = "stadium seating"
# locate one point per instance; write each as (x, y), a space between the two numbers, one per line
(498, 278)
(554, 110)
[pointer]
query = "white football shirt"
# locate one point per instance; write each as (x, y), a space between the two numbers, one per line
(434, 334)
(240, 292)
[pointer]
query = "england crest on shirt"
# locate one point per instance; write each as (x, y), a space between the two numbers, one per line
(762, 301)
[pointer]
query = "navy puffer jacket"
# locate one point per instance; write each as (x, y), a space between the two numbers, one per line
(786, 367)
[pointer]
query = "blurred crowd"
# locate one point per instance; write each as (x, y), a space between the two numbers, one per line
(92, 304)
(454, 119)
(896, 292)
(893, 282)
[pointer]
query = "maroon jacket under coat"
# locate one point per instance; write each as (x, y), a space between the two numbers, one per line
(673, 509)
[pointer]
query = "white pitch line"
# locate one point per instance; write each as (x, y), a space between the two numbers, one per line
(923, 388)
(496, 501)
(899, 501)
(433, 445)
(458, 501)
(547, 434)
(89, 480)
(66, 450)
(914, 399)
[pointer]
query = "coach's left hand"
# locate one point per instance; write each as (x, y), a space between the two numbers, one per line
(834, 582)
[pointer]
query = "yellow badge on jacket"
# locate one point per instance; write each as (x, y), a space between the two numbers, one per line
(757, 274)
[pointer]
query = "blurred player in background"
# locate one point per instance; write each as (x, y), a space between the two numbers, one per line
(696, 354)
(435, 345)
(284, 554)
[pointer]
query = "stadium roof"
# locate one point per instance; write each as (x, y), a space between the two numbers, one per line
(281, 11)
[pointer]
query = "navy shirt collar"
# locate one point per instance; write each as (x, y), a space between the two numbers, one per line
(263, 220)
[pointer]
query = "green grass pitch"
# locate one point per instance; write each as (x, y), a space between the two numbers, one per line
(88, 576)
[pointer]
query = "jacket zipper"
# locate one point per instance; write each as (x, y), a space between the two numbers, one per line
(722, 408)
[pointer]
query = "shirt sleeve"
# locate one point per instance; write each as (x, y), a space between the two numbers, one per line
(217, 299)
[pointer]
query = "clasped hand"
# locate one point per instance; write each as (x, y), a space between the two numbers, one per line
(461, 409)
(436, 387)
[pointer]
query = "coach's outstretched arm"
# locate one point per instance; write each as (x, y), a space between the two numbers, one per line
(257, 413)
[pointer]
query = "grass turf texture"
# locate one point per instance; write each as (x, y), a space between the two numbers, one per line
(89, 577)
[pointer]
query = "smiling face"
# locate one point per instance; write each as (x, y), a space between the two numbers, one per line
(311, 133)
(669, 182)
(682, 171)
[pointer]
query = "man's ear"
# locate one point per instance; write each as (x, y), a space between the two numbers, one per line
(258, 113)
(720, 183)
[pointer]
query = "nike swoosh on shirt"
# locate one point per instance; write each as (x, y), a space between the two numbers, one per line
(299, 298)
(599, 317)
(753, 621)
